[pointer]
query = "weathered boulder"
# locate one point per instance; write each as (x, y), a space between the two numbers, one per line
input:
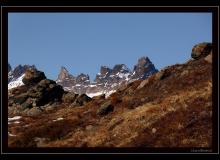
(52, 92)
(44, 92)
(69, 97)
(19, 99)
(33, 76)
(82, 99)
(201, 50)
(27, 104)
(34, 111)
(105, 108)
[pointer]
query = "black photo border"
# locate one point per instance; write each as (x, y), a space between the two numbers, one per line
(100, 9)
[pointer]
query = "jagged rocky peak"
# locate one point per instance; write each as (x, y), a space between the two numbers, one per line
(107, 80)
(120, 68)
(64, 74)
(143, 68)
(105, 70)
(103, 74)
(82, 78)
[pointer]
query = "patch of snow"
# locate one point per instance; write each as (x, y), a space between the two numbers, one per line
(58, 81)
(114, 84)
(12, 135)
(107, 94)
(16, 83)
(92, 85)
(78, 85)
(16, 122)
(58, 119)
(111, 75)
(124, 75)
(67, 88)
(94, 94)
(14, 118)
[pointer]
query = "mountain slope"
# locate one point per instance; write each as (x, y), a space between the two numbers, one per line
(171, 108)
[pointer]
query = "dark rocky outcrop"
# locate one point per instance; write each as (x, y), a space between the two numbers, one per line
(81, 100)
(33, 76)
(69, 97)
(37, 91)
(201, 50)
(105, 108)
(46, 91)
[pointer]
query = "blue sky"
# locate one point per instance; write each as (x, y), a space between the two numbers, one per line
(82, 42)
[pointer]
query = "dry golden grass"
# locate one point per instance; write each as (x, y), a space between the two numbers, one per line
(175, 111)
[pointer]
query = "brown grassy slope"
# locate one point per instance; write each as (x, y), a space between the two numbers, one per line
(172, 109)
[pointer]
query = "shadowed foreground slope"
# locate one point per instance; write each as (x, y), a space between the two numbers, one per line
(172, 108)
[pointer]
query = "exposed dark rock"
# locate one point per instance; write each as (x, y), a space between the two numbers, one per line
(37, 91)
(27, 104)
(33, 76)
(53, 92)
(162, 74)
(35, 111)
(81, 100)
(201, 50)
(82, 79)
(105, 108)
(122, 68)
(69, 97)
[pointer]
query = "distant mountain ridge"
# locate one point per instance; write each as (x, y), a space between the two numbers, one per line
(107, 80)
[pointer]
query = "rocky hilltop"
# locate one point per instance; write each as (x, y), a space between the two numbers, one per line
(170, 108)
(107, 80)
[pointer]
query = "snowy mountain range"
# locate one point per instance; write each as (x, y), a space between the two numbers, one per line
(107, 81)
